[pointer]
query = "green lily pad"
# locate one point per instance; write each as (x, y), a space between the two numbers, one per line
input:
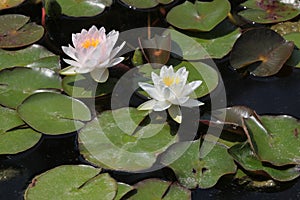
(263, 47)
(202, 16)
(294, 60)
(294, 37)
(16, 32)
(143, 4)
(53, 113)
(122, 190)
(284, 28)
(268, 11)
(192, 169)
(243, 154)
(18, 83)
(72, 182)
(83, 8)
(157, 189)
(32, 56)
(126, 145)
(83, 86)
(14, 140)
(5, 4)
(275, 139)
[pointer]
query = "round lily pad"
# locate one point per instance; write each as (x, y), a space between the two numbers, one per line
(72, 182)
(268, 11)
(53, 113)
(18, 83)
(294, 37)
(16, 32)
(284, 28)
(83, 86)
(13, 140)
(118, 140)
(263, 47)
(143, 4)
(294, 60)
(32, 56)
(202, 16)
(122, 190)
(83, 8)
(193, 169)
(5, 4)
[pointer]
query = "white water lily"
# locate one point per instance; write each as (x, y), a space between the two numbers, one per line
(92, 52)
(170, 91)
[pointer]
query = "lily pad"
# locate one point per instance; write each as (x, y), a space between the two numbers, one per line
(14, 140)
(18, 83)
(264, 12)
(126, 145)
(32, 56)
(243, 154)
(277, 141)
(5, 4)
(72, 182)
(192, 169)
(83, 86)
(294, 60)
(122, 190)
(16, 32)
(284, 28)
(83, 8)
(202, 16)
(294, 37)
(263, 47)
(143, 4)
(53, 113)
(158, 189)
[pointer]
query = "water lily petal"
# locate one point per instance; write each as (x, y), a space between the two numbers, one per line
(70, 51)
(190, 87)
(175, 113)
(116, 50)
(71, 70)
(153, 93)
(100, 75)
(192, 103)
(72, 62)
(148, 105)
(115, 61)
(161, 105)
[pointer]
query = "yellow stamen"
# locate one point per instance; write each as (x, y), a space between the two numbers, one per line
(90, 42)
(168, 80)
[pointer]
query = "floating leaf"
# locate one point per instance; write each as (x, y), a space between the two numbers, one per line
(18, 83)
(158, 189)
(202, 16)
(243, 154)
(294, 60)
(192, 169)
(277, 141)
(52, 113)
(294, 37)
(264, 47)
(5, 4)
(126, 145)
(32, 56)
(143, 4)
(83, 8)
(72, 182)
(264, 12)
(284, 28)
(83, 86)
(122, 190)
(13, 140)
(14, 32)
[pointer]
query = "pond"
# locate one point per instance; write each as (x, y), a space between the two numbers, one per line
(149, 99)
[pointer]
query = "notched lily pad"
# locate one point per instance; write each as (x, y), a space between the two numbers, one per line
(53, 113)
(72, 182)
(143, 4)
(202, 16)
(5, 4)
(195, 170)
(262, 11)
(126, 145)
(13, 140)
(16, 32)
(264, 49)
(32, 56)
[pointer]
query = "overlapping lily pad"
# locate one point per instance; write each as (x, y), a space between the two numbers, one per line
(72, 182)
(284, 28)
(83, 8)
(193, 169)
(263, 47)
(127, 145)
(32, 56)
(14, 140)
(202, 16)
(53, 113)
(264, 12)
(5, 4)
(18, 83)
(16, 32)
(143, 4)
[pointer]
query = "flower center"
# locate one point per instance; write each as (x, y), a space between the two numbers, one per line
(170, 80)
(90, 42)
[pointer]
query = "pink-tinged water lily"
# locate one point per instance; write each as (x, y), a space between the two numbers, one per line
(170, 90)
(92, 52)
